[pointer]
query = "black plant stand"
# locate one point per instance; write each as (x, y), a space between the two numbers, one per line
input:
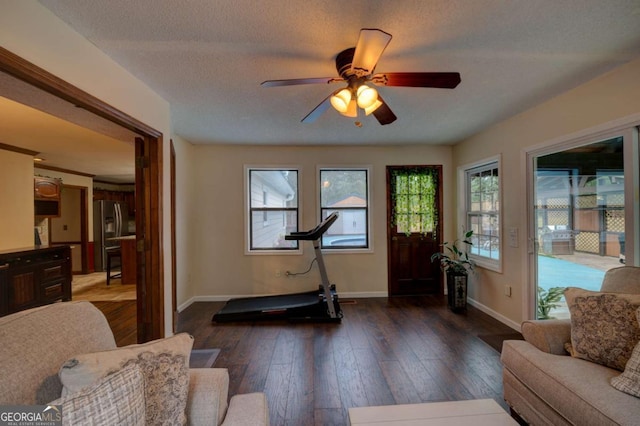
(457, 291)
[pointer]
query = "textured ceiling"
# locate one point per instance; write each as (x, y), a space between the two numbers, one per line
(207, 58)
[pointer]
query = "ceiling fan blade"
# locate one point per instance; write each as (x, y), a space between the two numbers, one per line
(443, 80)
(318, 111)
(296, 81)
(371, 44)
(383, 114)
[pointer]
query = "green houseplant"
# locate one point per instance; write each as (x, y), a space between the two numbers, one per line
(547, 300)
(454, 261)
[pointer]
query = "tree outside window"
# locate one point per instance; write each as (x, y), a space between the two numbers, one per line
(347, 192)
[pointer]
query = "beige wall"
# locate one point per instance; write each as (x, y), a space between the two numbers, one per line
(67, 226)
(16, 195)
(187, 204)
(220, 267)
(37, 35)
(607, 99)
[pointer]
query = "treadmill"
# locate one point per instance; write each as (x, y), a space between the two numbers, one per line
(314, 306)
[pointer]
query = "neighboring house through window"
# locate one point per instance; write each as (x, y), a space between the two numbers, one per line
(345, 190)
(482, 194)
(272, 198)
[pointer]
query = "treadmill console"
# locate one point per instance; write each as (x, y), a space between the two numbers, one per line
(316, 232)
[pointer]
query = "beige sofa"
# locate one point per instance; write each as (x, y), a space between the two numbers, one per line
(35, 343)
(545, 386)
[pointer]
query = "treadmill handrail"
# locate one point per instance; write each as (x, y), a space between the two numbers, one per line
(316, 232)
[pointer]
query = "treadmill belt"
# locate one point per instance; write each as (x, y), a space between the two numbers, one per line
(269, 303)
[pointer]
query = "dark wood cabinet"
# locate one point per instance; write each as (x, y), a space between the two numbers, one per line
(34, 277)
(128, 197)
(46, 196)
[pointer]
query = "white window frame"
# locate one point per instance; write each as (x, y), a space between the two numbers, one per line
(494, 162)
(368, 169)
(247, 209)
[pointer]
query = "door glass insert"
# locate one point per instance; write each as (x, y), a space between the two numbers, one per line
(413, 203)
(579, 219)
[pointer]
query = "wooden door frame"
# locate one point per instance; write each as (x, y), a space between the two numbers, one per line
(174, 273)
(150, 289)
(84, 226)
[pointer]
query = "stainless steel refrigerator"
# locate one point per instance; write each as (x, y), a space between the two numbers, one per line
(110, 219)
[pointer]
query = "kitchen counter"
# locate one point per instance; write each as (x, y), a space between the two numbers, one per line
(125, 238)
(43, 248)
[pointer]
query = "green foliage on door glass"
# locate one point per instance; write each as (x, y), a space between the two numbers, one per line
(414, 200)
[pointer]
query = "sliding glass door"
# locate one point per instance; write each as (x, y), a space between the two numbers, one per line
(583, 210)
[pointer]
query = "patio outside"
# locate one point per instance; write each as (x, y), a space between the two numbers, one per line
(581, 270)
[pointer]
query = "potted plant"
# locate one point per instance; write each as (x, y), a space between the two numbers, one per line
(454, 261)
(547, 300)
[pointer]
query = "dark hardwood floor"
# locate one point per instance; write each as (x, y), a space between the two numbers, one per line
(385, 351)
(121, 316)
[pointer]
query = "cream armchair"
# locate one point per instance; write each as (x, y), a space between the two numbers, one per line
(35, 343)
(546, 386)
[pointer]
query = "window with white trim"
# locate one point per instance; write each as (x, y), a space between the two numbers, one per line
(272, 195)
(482, 209)
(346, 191)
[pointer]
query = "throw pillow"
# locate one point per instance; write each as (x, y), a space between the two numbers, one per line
(604, 328)
(117, 399)
(629, 380)
(164, 364)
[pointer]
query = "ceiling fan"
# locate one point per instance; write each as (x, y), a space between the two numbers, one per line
(355, 66)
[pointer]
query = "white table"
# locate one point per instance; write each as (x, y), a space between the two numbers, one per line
(475, 412)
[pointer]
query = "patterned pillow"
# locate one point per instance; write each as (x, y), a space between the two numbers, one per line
(604, 327)
(629, 380)
(117, 399)
(164, 364)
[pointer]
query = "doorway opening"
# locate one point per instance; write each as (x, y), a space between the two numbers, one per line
(149, 236)
(581, 218)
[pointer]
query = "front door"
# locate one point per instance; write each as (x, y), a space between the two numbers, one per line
(413, 213)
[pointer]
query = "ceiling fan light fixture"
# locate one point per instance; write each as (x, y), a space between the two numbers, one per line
(352, 109)
(367, 96)
(341, 100)
(356, 66)
(372, 107)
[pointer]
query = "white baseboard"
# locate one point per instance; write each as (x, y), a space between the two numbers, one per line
(194, 299)
(181, 307)
(362, 295)
(494, 314)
